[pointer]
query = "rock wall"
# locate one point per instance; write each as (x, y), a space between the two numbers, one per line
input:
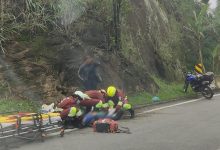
(151, 45)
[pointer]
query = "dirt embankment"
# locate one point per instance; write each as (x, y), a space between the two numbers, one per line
(34, 68)
(35, 72)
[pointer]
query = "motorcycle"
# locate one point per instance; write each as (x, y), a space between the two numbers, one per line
(200, 83)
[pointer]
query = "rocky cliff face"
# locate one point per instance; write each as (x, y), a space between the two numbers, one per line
(151, 38)
(150, 45)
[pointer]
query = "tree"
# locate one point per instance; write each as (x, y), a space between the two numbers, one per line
(116, 19)
(198, 27)
(215, 65)
(2, 24)
(216, 50)
(205, 1)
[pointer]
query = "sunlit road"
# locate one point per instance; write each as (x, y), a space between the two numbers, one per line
(191, 126)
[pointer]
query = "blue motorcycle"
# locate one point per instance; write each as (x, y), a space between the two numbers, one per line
(200, 84)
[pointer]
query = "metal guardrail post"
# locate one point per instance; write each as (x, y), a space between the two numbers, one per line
(38, 129)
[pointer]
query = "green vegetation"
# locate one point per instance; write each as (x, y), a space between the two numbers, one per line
(175, 33)
(167, 92)
(10, 105)
(32, 17)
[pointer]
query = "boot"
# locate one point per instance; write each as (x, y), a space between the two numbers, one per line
(131, 111)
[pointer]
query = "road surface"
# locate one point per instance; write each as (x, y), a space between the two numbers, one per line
(184, 126)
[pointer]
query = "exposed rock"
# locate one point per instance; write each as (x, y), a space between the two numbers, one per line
(46, 67)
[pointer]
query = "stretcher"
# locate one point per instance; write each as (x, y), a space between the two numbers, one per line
(30, 126)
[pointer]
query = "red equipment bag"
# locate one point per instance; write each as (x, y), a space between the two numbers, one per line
(105, 125)
(108, 125)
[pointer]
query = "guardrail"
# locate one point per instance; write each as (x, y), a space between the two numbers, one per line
(30, 126)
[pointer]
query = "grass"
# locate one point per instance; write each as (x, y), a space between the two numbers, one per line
(10, 105)
(167, 92)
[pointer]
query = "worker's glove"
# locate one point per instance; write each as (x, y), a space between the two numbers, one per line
(72, 112)
(79, 113)
(111, 104)
(99, 105)
(127, 106)
(120, 103)
(105, 105)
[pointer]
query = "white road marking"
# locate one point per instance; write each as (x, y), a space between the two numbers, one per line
(169, 106)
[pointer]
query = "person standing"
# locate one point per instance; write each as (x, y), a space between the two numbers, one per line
(88, 73)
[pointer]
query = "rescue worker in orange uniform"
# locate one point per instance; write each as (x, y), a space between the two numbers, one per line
(97, 94)
(71, 113)
(117, 99)
(67, 102)
(68, 106)
(87, 101)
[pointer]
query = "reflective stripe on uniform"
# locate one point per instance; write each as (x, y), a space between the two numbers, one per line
(105, 105)
(127, 106)
(72, 112)
(111, 103)
(99, 104)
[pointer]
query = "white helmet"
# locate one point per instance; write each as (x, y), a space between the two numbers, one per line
(82, 95)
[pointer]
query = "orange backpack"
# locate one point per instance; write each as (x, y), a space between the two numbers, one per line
(108, 125)
(105, 125)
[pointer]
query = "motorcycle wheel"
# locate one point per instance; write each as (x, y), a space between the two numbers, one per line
(207, 92)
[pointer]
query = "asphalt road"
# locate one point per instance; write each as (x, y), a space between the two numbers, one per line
(189, 126)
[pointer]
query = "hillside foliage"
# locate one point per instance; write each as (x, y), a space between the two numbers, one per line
(144, 38)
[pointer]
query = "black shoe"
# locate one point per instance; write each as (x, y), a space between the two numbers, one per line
(131, 111)
(118, 115)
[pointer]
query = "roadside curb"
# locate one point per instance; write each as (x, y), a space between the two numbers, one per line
(216, 91)
(164, 102)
